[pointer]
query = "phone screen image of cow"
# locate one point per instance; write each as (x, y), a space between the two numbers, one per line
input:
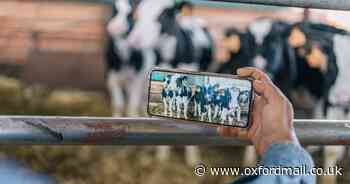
(197, 97)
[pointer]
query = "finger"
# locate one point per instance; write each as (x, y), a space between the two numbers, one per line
(242, 134)
(227, 131)
(264, 90)
(255, 115)
(253, 72)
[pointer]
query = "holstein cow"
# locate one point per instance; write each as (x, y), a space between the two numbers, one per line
(183, 95)
(126, 66)
(178, 46)
(168, 95)
(322, 63)
(237, 47)
(176, 96)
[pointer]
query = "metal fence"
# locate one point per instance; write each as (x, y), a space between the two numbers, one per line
(150, 131)
(321, 4)
(18, 130)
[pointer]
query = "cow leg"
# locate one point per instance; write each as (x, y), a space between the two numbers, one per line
(238, 115)
(165, 107)
(186, 102)
(192, 155)
(195, 109)
(114, 83)
(332, 153)
(178, 105)
(209, 114)
(163, 153)
(171, 104)
(216, 111)
(223, 115)
(249, 158)
(230, 120)
(136, 92)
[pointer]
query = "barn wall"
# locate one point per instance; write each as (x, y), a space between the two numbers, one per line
(61, 43)
(56, 43)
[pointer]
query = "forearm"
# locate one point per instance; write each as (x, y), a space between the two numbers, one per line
(289, 155)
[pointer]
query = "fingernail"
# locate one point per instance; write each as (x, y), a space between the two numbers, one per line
(257, 82)
(239, 71)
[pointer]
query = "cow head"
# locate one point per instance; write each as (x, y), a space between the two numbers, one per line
(296, 38)
(232, 41)
(155, 18)
(122, 21)
(309, 45)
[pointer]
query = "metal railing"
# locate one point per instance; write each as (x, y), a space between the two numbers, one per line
(24, 130)
(321, 4)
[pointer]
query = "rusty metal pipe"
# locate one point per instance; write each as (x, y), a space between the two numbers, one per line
(319, 4)
(31, 130)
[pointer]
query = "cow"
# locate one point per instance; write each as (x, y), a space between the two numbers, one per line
(183, 95)
(208, 93)
(176, 95)
(168, 96)
(177, 45)
(322, 63)
(198, 98)
(180, 45)
(272, 52)
(237, 45)
(218, 101)
(126, 66)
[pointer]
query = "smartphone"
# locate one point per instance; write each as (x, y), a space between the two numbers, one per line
(205, 97)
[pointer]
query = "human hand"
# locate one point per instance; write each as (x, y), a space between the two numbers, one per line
(272, 115)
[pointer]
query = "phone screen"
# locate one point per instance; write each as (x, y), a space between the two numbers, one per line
(215, 99)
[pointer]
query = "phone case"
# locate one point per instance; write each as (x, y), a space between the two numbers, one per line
(181, 71)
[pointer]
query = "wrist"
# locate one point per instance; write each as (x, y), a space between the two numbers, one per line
(264, 144)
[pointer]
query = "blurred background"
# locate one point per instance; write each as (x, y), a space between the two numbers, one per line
(55, 59)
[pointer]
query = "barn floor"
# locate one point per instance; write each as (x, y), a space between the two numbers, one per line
(104, 164)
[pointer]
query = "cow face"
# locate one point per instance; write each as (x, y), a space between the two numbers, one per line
(296, 38)
(155, 17)
(122, 21)
(308, 48)
(232, 41)
(316, 58)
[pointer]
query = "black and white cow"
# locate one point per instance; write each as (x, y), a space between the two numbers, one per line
(183, 95)
(209, 97)
(237, 45)
(272, 52)
(126, 66)
(322, 62)
(198, 99)
(168, 95)
(176, 96)
(181, 45)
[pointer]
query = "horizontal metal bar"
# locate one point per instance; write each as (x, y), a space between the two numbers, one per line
(23, 130)
(319, 4)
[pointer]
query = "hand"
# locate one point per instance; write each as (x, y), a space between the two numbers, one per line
(272, 115)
